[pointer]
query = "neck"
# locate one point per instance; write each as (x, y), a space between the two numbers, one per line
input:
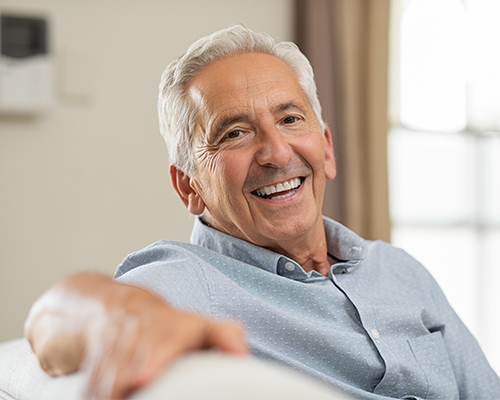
(310, 253)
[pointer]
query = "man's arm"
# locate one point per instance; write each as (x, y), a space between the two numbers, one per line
(124, 336)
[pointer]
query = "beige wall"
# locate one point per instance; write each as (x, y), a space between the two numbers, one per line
(87, 183)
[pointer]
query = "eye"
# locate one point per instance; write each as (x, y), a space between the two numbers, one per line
(290, 120)
(234, 134)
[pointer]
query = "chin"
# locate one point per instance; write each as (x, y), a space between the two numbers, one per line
(288, 231)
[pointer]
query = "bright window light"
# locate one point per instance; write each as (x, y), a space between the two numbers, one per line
(433, 65)
(444, 154)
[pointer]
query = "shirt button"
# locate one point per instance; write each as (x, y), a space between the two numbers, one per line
(356, 250)
(375, 334)
(290, 266)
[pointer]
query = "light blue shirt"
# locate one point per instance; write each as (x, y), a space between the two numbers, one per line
(377, 327)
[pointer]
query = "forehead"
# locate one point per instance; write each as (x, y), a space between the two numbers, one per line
(243, 81)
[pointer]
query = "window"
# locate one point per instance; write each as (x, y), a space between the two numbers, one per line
(444, 152)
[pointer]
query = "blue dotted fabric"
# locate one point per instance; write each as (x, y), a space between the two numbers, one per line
(377, 327)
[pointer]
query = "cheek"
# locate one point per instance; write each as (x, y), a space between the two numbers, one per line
(233, 170)
(313, 151)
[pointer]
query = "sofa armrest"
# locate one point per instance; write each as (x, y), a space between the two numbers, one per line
(201, 375)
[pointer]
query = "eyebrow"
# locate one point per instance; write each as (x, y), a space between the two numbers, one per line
(289, 105)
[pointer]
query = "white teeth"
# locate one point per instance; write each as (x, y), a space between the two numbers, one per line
(270, 190)
(280, 187)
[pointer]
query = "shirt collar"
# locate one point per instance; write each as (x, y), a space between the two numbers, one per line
(238, 249)
(344, 245)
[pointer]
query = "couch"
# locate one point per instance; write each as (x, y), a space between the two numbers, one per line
(201, 375)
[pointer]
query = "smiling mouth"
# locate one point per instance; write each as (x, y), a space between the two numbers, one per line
(280, 190)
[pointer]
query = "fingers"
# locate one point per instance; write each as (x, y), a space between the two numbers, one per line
(187, 333)
(62, 354)
(56, 329)
(109, 359)
(135, 359)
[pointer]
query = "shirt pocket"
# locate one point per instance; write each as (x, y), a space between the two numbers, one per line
(432, 356)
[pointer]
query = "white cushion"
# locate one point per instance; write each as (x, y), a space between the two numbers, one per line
(211, 375)
(21, 377)
(202, 375)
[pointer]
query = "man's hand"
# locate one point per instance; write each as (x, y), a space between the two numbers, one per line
(121, 335)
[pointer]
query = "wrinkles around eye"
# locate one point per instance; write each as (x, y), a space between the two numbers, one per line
(206, 155)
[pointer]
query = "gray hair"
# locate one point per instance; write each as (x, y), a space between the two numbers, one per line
(177, 115)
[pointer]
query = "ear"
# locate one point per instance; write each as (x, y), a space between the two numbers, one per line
(330, 166)
(189, 196)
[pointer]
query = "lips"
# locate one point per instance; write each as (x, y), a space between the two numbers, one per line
(280, 190)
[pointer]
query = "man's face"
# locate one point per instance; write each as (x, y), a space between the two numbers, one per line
(260, 154)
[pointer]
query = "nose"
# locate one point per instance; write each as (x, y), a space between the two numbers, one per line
(274, 150)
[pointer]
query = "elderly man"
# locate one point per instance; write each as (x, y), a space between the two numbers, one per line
(250, 155)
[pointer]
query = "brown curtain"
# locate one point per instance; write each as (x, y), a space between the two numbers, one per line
(347, 44)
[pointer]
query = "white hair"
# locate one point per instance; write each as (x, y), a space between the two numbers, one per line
(177, 115)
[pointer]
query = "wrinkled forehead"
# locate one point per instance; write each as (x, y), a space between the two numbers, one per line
(234, 84)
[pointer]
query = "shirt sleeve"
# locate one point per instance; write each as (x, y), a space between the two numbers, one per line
(172, 272)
